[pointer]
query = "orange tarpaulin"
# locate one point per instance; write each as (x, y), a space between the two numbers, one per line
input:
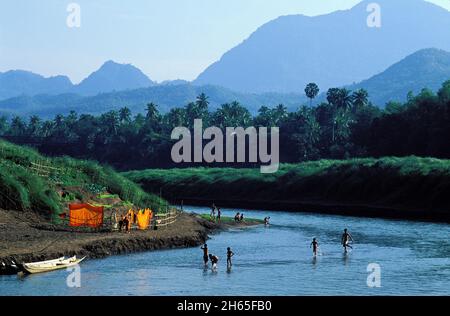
(144, 218)
(86, 215)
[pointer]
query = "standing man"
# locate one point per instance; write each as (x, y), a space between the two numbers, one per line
(346, 238)
(230, 254)
(205, 254)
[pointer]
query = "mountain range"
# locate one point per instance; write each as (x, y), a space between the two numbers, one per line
(426, 68)
(407, 53)
(332, 50)
(109, 77)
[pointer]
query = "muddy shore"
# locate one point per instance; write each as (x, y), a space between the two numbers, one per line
(23, 239)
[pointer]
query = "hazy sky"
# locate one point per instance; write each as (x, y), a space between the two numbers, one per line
(167, 39)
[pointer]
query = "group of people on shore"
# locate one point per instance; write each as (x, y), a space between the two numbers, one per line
(215, 259)
(345, 241)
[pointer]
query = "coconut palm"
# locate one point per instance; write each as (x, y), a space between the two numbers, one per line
(311, 91)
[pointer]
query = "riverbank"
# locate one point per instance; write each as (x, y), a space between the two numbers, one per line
(24, 240)
(329, 208)
(402, 188)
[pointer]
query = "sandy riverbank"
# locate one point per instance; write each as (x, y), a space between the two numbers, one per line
(24, 239)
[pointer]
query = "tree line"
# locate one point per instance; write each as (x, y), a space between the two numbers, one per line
(346, 125)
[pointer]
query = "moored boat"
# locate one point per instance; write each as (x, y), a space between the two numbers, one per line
(51, 265)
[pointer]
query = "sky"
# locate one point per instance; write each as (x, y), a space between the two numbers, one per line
(166, 39)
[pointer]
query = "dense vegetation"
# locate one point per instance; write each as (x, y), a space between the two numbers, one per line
(405, 183)
(29, 181)
(345, 126)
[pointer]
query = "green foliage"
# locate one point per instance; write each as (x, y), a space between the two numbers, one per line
(21, 188)
(405, 182)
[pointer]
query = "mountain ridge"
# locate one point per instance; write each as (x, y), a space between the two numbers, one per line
(288, 52)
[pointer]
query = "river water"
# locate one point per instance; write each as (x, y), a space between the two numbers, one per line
(413, 259)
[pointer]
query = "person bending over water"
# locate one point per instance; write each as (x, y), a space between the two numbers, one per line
(315, 246)
(205, 254)
(214, 260)
(230, 254)
(267, 221)
(346, 238)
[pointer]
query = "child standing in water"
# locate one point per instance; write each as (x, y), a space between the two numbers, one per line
(315, 246)
(346, 238)
(229, 255)
(214, 260)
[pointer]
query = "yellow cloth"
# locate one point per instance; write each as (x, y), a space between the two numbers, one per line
(144, 218)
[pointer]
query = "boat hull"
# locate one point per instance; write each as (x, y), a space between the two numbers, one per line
(51, 265)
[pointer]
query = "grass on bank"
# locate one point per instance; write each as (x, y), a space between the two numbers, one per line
(22, 188)
(401, 182)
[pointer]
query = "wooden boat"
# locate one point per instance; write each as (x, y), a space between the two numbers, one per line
(51, 265)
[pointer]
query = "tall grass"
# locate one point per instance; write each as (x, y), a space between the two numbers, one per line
(22, 189)
(422, 183)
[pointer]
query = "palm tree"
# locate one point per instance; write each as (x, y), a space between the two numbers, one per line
(345, 99)
(152, 113)
(311, 91)
(202, 101)
(34, 126)
(333, 96)
(360, 98)
(125, 114)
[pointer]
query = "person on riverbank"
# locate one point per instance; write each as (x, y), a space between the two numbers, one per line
(346, 239)
(219, 214)
(212, 215)
(315, 246)
(230, 254)
(241, 219)
(205, 254)
(214, 261)
(237, 217)
(126, 224)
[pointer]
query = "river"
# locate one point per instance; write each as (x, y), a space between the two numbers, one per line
(413, 259)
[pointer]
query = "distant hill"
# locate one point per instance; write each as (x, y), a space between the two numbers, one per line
(113, 77)
(332, 50)
(110, 77)
(17, 82)
(166, 96)
(427, 68)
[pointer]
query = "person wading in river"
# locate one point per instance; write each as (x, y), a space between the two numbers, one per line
(214, 260)
(346, 238)
(230, 254)
(315, 246)
(205, 254)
